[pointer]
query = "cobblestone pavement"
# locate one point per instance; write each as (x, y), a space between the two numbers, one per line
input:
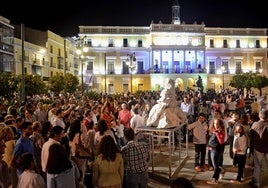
(160, 177)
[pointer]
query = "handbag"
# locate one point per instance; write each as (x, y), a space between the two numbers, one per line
(82, 152)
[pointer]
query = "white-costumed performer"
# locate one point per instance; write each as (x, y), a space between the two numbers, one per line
(166, 113)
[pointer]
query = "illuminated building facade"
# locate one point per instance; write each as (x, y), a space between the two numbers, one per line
(6, 45)
(179, 51)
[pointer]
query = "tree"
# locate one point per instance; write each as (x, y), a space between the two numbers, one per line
(241, 81)
(260, 82)
(71, 83)
(56, 83)
(33, 85)
(249, 81)
(8, 84)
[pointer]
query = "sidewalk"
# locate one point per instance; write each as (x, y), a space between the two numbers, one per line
(161, 170)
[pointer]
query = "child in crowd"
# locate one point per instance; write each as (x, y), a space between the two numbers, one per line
(200, 130)
(216, 145)
(120, 133)
(240, 149)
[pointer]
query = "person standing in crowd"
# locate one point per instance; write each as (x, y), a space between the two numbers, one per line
(255, 106)
(77, 133)
(136, 157)
(29, 116)
(232, 123)
(114, 130)
(29, 178)
(188, 109)
(217, 115)
(137, 120)
(264, 103)
(24, 143)
(56, 134)
(40, 113)
(59, 119)
(240, 149)
(38, 142)
(87, 118)
(46, 128)
(216, 145)
(124, 115)
(90, 136)
(102, 130)
(5, 180)
(231, 103)
(259, 135)
(61, 171)
(107, 115)
(95, 114)
(108, 167)
(146, 111)
(120, 133)
(7, 134)
(200, 130)
(240, 106)
(204, 108)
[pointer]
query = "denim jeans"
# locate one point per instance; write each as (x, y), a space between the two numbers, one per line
(258, 157)
(220, 159)
(215, 158)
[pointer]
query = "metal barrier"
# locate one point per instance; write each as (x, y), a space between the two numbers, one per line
(174, 144)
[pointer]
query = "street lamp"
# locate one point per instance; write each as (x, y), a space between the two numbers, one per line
(131, 63)
(82, 48)
(222, 70)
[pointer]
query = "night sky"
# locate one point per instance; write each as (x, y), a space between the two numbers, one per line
(65, 19)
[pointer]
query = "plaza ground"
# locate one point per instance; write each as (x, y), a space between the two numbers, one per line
(160, 177)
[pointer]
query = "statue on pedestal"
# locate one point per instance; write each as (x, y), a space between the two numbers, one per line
(166, 113)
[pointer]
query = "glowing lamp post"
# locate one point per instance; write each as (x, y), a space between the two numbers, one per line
(222, 70)
(131, 63)
(79, 52)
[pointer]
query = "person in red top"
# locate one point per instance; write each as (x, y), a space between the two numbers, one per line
(241, 104)
(124, 115)
(216, 145)
(87, 118)
(107, 115)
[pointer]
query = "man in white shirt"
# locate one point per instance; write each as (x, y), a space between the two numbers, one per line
(56, 135)
(59, 119)
(188, 109)
(137, 120)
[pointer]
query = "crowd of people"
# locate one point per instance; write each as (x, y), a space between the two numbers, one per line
(237, 121)
(38, 140)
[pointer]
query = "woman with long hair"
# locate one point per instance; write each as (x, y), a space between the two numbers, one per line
(76, 134)
(108, 167)
(102, 130)
(216, 145)
(8, 135)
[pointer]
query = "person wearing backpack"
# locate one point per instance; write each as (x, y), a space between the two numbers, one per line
(259, 134)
